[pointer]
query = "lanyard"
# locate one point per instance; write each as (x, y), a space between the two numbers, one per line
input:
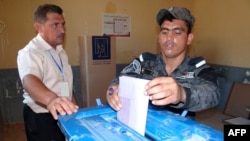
(59, 66)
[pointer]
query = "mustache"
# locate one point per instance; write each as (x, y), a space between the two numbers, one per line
(61, 35)
(169, 42)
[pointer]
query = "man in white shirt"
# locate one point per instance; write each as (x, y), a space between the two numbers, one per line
(46, 76)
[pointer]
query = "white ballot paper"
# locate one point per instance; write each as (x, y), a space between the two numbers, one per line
(134, 103)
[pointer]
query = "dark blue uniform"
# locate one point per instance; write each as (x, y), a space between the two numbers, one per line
(193, 74)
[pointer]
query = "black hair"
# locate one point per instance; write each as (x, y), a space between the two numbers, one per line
(167, 17)
(170, 17)
(42, 11)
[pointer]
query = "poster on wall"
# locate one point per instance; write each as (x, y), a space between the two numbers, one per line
(101, 51)
(116, 25)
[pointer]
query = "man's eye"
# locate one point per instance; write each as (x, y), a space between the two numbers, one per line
(164, 31)
(175, 31)
(178, 31)
(56, 24)
(53, 25)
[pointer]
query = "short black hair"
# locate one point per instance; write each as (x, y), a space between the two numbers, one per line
(167, 17)
(172, 13)
(170, 18)
(42, 11)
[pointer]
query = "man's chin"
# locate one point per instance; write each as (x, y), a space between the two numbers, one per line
(60, 41)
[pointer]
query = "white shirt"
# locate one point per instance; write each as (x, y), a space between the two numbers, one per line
(36, 58)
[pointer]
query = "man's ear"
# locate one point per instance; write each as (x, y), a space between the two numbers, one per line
(37, 26)
(190, 38)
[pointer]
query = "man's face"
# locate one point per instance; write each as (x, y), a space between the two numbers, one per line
(173, 38)
(53, 29)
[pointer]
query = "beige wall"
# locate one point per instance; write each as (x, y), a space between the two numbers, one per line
(223, 32)
(221, 28)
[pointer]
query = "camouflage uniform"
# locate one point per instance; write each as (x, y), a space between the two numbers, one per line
(200, 83)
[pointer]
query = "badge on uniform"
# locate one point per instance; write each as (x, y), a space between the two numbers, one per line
(186, 76)
(64, 89)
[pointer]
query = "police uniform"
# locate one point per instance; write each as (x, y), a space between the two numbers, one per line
(193, 74)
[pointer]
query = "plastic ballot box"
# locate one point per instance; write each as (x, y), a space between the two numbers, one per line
(100, 124)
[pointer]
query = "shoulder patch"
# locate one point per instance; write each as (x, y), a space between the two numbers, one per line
(197, 62)
(134, 67)
(147, 56)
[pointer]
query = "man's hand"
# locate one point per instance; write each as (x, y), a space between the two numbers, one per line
(61, 105)
(41, 94)
(164, 91)
(113, 98)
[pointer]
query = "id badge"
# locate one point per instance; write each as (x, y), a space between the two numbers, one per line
(64, 89)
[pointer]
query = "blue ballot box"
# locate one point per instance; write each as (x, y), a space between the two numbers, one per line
(100, 124)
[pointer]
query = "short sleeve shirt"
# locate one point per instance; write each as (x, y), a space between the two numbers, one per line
(40, 59)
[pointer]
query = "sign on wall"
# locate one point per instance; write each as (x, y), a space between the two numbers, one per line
(101, 51)
(116, 25)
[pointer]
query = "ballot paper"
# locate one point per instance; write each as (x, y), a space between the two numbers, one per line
(134, 103)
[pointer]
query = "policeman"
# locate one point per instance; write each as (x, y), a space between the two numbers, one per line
(177, 81)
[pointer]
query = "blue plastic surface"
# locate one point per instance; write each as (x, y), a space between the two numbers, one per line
(96, 124)
(100, 124)
(165, 125)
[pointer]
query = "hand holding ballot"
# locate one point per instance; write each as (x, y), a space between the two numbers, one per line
(164, 91)
(134, 102)
(161, 91)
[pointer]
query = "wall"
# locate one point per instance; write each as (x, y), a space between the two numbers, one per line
(222, 33)
(221, 27)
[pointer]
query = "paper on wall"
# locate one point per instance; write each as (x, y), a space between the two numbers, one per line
(134, 103)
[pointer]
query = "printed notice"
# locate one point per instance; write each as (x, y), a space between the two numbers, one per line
(116, 25)
(134, 103)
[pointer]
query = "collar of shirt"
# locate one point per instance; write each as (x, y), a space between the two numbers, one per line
(47, 46)
(183, 67)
